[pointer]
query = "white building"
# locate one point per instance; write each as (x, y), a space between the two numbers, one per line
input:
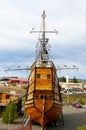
(71, 85)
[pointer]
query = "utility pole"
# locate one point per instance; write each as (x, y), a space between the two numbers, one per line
(67, 81)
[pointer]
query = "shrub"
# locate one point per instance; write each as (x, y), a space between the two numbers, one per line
(14, 84)
(10, 113)
(82, 128)
(81, 101)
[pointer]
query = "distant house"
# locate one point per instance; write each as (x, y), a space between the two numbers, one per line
(6, 98)
(11, 94)
(18, 80)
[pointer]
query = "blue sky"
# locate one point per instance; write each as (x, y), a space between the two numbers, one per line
(17, 45)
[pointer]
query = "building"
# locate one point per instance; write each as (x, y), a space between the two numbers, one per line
(18, 81)
(6, 98)
(71, 85)
(9, 95)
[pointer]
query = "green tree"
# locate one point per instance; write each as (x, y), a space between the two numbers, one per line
(62, 79)
(10, 113)
(75, 80)
(4, 79)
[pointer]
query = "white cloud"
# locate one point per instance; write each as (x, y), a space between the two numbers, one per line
(17, 17)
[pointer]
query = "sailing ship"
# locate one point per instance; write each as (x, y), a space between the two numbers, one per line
(44, 103)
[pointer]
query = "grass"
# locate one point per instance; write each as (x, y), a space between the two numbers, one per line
(69, 99)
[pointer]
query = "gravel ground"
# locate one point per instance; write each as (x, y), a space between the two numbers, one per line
(73, 118)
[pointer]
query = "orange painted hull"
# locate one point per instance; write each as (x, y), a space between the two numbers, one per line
(43, 111)
(44, 100)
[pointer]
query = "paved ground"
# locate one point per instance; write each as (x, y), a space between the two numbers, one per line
(72, 119)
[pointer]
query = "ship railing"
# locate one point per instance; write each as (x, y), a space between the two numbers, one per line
(44, 63)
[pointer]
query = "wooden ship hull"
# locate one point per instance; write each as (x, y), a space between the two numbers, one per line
(44, 99)
(44, 102)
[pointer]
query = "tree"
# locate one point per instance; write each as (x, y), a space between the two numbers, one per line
(10, 113)
(4, 79)
(75, 80)
(62, 79)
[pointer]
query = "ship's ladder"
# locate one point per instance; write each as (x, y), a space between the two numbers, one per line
(26, 120)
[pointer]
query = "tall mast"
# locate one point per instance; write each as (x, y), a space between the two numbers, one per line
(43, 28)
(42, 50)
(44, 40)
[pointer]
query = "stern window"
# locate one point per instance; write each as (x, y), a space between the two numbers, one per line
(38, 75)
(48, 76)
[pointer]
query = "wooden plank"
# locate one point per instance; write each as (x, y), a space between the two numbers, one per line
(31, 88)
(43, 83)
